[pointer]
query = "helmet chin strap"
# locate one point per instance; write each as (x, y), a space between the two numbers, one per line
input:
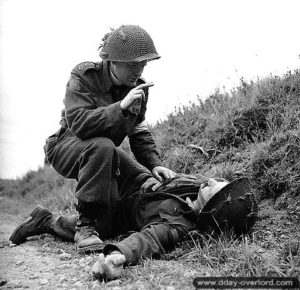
(115, 80)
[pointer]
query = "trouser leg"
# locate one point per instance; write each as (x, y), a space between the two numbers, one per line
(132, 175)
(118, 219)
(64, 227)
(105, 175)
(93, 163)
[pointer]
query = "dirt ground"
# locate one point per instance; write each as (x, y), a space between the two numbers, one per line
(44, 262)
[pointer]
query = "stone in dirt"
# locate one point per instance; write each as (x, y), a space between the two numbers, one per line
(60, 251)
(4, 243)
(78, 285)
(87, 269)
(82, 260)
(34, 276)
(113, 283)
(65, 256)
(43, 281)
(96, 285)
(62, 278)
(19, 263)
(14, 284)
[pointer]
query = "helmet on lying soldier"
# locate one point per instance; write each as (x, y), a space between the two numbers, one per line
(232, 208)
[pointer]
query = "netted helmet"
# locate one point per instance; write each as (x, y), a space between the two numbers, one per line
(232, 208)
(128, 43)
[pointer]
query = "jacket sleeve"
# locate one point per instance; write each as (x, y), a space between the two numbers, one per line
(153, 241)
(84, 118)
(143, 146)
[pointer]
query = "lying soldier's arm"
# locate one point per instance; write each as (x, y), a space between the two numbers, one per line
(153, 241)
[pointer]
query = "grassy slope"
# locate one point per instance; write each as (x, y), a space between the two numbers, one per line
(252, 131)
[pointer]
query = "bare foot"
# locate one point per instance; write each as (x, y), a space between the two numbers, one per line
(109, 267)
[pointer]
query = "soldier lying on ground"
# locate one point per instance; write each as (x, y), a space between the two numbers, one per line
(160, 216)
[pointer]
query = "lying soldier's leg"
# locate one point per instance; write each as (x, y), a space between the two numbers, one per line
(64, 227)
(42, 221)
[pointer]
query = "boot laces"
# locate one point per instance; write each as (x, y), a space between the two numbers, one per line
(89, 230)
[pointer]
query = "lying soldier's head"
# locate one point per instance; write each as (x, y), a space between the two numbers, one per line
(206, 192)
(223, 205)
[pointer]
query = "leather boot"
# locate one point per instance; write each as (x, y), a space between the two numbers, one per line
(86, 237)
(39, 222)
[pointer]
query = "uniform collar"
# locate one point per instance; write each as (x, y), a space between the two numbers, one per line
(114, 79)
(107, 81)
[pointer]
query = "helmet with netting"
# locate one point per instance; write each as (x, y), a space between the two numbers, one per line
(128, 43)
(232, 208)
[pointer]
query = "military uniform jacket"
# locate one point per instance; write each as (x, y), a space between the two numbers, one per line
(92, 109)
(161, 219)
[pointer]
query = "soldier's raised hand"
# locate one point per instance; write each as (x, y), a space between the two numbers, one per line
(136, 94)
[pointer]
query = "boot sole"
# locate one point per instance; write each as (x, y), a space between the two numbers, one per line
(90, 249)
(27, 221)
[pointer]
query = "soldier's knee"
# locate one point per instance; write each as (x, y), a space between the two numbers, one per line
(103, 151)
(103, 145)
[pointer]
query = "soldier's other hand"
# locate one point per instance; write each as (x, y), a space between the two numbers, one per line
(163, 174)
(137, 94)
(109, 267)
(152, 183)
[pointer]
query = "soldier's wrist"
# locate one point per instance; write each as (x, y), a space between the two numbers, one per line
(124, 110)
